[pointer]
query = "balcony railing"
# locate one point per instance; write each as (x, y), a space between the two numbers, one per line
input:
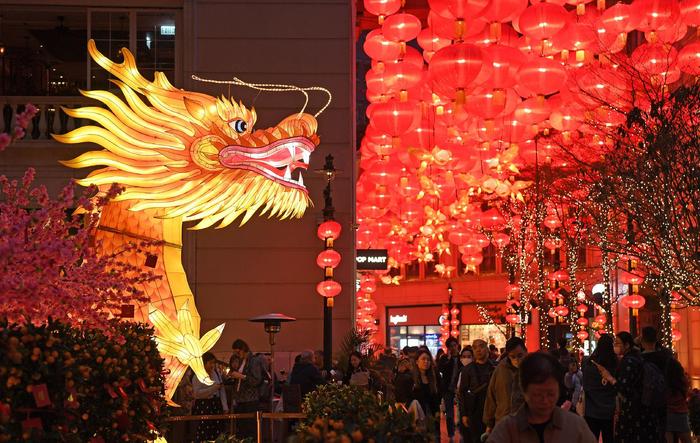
(49, 120)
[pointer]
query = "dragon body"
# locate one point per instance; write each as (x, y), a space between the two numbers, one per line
(183, 157)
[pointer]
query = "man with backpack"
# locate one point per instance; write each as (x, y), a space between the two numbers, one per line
(657, 360)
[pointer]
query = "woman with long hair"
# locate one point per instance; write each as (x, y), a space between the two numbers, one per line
(357, 374)
(635, 421)
(599, 403)
(209, 400)
(677, 423)
(425, 389)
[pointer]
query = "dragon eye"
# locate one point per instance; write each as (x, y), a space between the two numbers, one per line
(238, 125)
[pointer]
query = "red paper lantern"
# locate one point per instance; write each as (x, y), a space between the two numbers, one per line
(543, 20)
(513, 318)
(454, 333)
(472, 260)
(601, 319)
(582, 335)
(583, 321)
(382, 8)
(328, 288)
(380, 48)
(401, 27)
(561, 310)
(675, 317)
(676, 335)
(501, 240)
(453, 69)
(395, 117)
(689, 58)
(652, 15)
(329, 229)
(633, 301)
(541, 75)
(328, 258)
(582, 309)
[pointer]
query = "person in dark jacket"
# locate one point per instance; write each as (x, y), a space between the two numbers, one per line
(636, 422)
(653, 352)
(403, 382)
(474, 381)
(449, 366)
(306, 374)
(599, 403)
(425, 389)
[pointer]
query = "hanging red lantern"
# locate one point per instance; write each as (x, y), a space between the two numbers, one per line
(532, 111)
(560, 276)
(328, 258)
(472, 260)
(328, 288)
(675, 317)
(543, 20)
(405, 76)
(690, 12)
(552, 221)
(541, 75)
(689, 58)
(380, 48)
(634, 302)
(382, 8)
(492, 218)
(552, 313)
(552, 294)
(500, 240)
(582, 309)
(676, 335)
(582, 335)
(513, 318)
(454, 312)
(454, 333)
(453, 69)
(329, 230)
(583, 321)
(561, 310)
(616, 19)
(460, 236)
(601, 319)
(401, 27)
(652, 15)
(395, 117)
(368, 285)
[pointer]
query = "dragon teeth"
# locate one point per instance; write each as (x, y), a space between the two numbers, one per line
(288, 174)
(305, 156)
(292, 152)
(301, 180)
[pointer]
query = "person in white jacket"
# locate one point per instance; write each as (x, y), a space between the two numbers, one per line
(209, 400)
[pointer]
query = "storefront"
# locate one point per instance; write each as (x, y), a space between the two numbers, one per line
(420, 325)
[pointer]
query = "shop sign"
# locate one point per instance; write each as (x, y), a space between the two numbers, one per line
(372, 259)
(396, 319)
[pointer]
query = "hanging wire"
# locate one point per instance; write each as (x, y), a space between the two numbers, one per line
(271, 87)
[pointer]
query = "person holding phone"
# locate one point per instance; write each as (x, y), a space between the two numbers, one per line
(599, 398)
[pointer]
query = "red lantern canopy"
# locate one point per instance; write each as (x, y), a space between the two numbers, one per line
(328, 288)
(329, 229)
(328, 258)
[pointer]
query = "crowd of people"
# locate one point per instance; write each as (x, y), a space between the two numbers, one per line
(627, 390)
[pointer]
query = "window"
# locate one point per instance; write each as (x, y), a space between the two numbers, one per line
(43, 49)
(150, 36)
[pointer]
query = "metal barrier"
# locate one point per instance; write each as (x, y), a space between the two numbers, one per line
(258, 416)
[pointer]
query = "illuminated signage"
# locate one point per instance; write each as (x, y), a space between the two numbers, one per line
(396, 319)
(372, 259)
(167, 30)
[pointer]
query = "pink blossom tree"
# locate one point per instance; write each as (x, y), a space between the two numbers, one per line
(49, 264)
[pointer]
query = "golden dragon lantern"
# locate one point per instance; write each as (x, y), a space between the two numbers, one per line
(184, 156)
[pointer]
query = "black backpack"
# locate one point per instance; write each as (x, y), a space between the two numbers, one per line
(653, 386)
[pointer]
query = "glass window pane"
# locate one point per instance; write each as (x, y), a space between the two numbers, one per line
(432, 329)
(416, 330)
(110, 30)
(45, 50)
(155, 43)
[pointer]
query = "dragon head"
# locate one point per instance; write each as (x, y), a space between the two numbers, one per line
(191, 155)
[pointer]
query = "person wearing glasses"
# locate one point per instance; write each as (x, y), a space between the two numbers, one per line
(504, 394)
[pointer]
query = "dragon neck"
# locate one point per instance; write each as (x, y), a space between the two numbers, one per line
(119, 226)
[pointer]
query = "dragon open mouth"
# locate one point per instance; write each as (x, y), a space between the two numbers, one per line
(276, 161)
